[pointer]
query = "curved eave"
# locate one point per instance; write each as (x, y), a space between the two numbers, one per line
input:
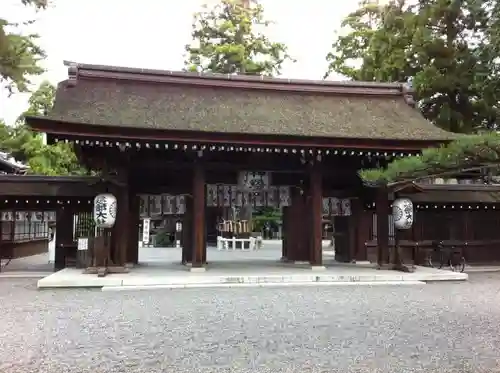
(83, 130)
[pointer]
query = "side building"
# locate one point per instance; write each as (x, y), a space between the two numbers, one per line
(22, 233)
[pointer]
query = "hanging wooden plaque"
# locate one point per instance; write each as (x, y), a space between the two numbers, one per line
(21, 216)
(239, 198)
(335, 206)
(346, 207)
(49, 216)
(220, 195)
(326, 206)
(180, 204)
(143, 205)
(227, 195)
(247, 199)
(259, 199)
(168, 204)
(211, 195)
(271, 196)
(7, 216)
(156, 205)
(37, 216)
(234, 191)
(284, 196)
(254, 181)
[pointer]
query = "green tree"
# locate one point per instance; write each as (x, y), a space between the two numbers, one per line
(29, 147)
(466, 153)
(227, 39)
(20, 54)
(378, 44)
(435, 42)
(488, 51)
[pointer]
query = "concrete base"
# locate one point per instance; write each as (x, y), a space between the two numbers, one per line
(242, 274)
(264, 285)
(24, 274)
(477, 268)
(318, 268)
(197, 269)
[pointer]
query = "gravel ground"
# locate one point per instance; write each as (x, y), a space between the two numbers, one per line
(451, 327)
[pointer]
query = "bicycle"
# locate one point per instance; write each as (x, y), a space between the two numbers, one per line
(450, 256)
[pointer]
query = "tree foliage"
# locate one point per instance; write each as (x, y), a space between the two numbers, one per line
(29, 147)
(266, 215)
(444, 45)
(227, 39)
(20, 54)
(468, 152)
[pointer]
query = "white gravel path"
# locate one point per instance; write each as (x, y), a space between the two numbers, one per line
(434, 328)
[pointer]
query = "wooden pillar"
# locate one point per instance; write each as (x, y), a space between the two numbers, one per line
(133, 230)
(198, 229)
(354, 226)
(64, 236)
(120, 234)
(382, 210)
(1, 242)
(285, 233)
(187, 232)
(315, 216)
(204, 252)
(293, 235)
(298, 245)
(364, 225)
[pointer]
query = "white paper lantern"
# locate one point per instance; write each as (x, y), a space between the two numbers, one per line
(105, 210)
(402, 213)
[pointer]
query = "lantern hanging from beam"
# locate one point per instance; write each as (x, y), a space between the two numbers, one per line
(105, 210)
(402, 213)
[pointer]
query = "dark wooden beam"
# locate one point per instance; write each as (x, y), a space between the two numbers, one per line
(37, 203)
(383, 211)
(315, 212)
(74, 129)
(187, 232)
(198, 191)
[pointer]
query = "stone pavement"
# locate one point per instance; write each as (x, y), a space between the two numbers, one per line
(30, 266)
(443, 327)
(162, 269)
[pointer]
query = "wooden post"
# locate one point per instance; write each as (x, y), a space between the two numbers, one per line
(315, 216)
(364, 224)
(298, 244)
(133, 231)
(382, 210)
(354, 226)
(187, 232)
(1, 241)
(120, 229)
(64, 236)
(199, 246)
(111, 250)
(285, 233)
(293, 235)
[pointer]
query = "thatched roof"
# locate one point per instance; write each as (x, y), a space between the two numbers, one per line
(113, 96)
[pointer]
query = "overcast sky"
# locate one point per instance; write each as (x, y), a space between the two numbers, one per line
(152, 34)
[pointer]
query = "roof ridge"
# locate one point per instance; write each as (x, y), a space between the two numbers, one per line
(77, 70)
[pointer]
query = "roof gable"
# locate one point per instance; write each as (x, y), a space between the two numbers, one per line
(168, 100)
